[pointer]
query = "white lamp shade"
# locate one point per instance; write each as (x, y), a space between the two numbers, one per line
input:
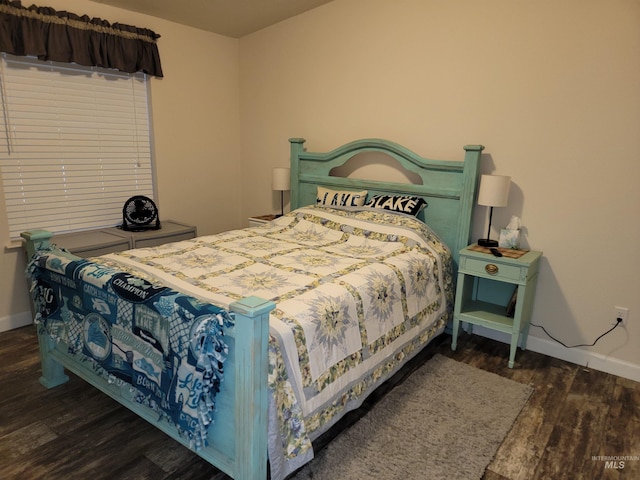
(494, 190)
(281, 179)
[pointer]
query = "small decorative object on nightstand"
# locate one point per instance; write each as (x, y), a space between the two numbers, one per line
(496, 292)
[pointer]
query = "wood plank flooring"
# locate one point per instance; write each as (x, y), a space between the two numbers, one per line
(75, 432)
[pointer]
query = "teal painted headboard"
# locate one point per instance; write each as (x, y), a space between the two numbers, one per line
(449, 187)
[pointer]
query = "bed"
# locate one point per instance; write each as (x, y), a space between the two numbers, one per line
(247, 345)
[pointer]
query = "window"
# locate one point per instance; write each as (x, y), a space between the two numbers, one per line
(74, 146)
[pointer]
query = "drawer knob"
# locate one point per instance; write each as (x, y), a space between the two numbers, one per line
(491, 269)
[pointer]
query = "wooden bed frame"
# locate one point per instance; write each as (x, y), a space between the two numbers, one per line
(238, 438)
(449, 187)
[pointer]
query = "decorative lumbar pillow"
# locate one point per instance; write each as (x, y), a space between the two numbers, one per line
(398, 203)
(340, 198)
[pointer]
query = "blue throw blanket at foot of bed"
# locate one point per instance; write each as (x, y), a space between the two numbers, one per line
(167, 346)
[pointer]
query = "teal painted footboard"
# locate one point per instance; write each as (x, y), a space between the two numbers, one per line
(237, 440)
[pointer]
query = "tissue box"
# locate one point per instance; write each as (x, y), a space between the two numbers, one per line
(509, 238)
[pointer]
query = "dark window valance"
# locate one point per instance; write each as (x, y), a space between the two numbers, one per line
(70, 38)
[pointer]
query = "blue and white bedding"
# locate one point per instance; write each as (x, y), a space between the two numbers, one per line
(167, 348)
(358, 292)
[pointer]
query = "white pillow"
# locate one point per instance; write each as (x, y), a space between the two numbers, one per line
(340, 198)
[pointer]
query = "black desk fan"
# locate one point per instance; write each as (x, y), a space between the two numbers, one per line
(140, 213)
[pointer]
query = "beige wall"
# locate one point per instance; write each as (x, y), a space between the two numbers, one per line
(550, 88)
(197, 137)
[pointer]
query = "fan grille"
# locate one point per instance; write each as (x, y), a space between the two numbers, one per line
(140, 212)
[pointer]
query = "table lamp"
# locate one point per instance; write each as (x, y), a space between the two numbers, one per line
(281, 181)
(494, 192)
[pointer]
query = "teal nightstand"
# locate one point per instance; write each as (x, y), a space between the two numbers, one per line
(489, 285)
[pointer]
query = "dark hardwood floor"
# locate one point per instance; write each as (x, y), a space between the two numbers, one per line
(75, 432)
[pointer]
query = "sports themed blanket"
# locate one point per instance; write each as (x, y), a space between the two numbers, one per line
(167, 346)
(358, 292)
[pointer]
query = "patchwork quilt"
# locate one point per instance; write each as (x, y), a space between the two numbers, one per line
(358, 292)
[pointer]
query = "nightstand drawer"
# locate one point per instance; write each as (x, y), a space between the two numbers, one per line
(492, 269)
(170, 232)
(92, 243)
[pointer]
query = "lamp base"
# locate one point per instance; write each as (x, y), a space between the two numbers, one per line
(485, 242)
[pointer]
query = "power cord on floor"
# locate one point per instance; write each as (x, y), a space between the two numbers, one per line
(618, 322)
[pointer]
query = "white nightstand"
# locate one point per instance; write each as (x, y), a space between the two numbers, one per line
(260, 220)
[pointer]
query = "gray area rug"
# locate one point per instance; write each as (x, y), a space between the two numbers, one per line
(445, 421)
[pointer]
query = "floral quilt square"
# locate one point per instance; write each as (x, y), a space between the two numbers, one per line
(257, 246)
(328, 317)
(418, 272)
(315, 261)
(223, 236)
(199, 262)
(308, 233)
(362, 247)
(382, 298)
(259, 279)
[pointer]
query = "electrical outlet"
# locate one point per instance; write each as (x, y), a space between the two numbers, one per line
(623, 313)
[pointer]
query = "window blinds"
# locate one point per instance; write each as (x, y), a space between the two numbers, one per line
(75, 144)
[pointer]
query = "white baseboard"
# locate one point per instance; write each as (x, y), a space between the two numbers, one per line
(15, 321)
(579, 356)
